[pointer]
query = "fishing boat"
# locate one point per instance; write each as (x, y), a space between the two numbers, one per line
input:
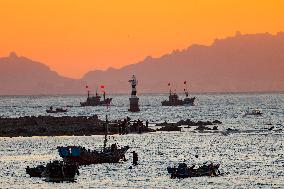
(58, 171)
(55, 171)
(35, 171)
(83, 156)
(175, 101)
(96, 100)
(183, 171)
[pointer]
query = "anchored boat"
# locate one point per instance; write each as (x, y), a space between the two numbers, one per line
(35, 171)
(96, 100)
(183, 171)
(58, 171)
(175, 101)
(83, 156)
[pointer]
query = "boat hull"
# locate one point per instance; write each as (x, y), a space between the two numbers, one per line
(199, 172)
(60, 171)
(185, 102)
(36, 171)
(105, 102)
(88, 157)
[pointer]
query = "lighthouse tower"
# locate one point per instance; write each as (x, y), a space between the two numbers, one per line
(134, 105)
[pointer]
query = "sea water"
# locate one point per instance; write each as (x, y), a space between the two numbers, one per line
(253, 157)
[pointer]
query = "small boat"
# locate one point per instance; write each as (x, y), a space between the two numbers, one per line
(254, 112)
(183, 171)
(57, 110)
(35, 171)
(58, 171)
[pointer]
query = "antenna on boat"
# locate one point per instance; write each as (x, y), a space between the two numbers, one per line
(170, 90)
(88, 90)
(104, 93)
(97, 91)
(185, 88)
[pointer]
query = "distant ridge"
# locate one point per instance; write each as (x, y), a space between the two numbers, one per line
(22, 76)
(241, 63)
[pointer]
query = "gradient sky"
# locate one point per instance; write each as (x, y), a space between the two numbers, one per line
(75, 36)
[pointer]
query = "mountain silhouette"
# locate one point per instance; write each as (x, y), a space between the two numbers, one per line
(241, 63)
(22, 76)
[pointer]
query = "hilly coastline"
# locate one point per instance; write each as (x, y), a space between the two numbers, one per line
(241, 63)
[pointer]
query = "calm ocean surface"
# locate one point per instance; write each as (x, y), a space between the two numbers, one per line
(251, 158)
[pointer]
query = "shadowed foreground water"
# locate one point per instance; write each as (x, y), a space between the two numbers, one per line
(252, 158)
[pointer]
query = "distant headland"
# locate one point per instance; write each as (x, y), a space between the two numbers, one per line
(241, 63)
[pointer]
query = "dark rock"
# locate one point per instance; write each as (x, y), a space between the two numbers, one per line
(215, 128)
(170, 128)
(202, 127)
(217, 122)
(66, 125)
(271, 128)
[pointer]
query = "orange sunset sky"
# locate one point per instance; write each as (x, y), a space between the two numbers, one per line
(76, 36)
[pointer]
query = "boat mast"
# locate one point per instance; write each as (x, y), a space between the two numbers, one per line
(97, 91)
(105, 141)
(170, 90)
(88, 90)
(185, 89)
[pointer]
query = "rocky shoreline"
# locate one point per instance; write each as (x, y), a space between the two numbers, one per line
(82, 125)
(60, 126)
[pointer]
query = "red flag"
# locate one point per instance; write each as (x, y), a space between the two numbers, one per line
(87, 86)
(184, 82)
(102, 86)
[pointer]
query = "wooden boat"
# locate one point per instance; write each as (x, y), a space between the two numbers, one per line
(58, 171)
(55, 171)
(35, 171)
(96, 100)
(182, 171)
(82, 156)
(175, 101)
